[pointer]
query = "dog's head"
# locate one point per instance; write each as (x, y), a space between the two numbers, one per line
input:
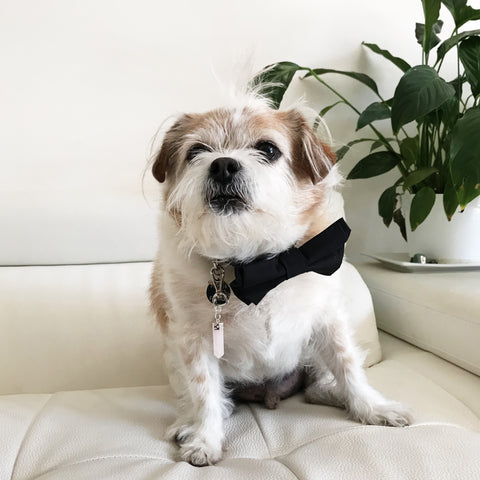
(245, 181)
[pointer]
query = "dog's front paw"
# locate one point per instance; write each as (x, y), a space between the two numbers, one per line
(387, 413)
(196, 447)
(200, 452)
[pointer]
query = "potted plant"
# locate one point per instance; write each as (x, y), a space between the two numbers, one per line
(434, 141)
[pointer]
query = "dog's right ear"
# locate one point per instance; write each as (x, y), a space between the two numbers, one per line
(163, 159)
(159, 168)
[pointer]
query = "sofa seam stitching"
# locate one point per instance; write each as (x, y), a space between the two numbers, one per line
(287, 468)
(27, 433)
(255, 417)
(61, 466)
(321, 437)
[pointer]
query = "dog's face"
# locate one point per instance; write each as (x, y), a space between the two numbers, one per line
(240, 182)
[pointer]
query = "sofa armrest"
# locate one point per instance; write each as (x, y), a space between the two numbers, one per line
(438, 312)
(77, 327)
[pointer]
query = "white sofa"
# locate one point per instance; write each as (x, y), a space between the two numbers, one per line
(85, 394)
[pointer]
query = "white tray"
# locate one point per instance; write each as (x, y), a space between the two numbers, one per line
(401, 262)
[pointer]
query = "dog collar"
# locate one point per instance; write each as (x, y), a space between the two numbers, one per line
(322, 254)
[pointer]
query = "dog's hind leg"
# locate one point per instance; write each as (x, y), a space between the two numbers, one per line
(334, 351)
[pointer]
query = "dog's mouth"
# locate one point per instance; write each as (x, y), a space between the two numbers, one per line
(227, 198)
(224, 204)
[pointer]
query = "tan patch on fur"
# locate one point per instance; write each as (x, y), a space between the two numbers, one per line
(177, 217)
(329, 152)
(316, 223)
(158, 300)
(201, 378)
(312, 159)
(265, 121)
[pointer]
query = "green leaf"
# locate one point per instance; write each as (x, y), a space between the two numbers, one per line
(465, 156)
(410, 150)
(400, 63)
(419, 92)
(457, 83)
(374, 164)
(431, 11)
(461, 12)
(451, 42)
(273, 81)
(449, 112)
(469, 54)
(360, 77)
(329, 107)
(450, 200)
(421, 206)
(399, 219)
(341, 152)
(375, 111)
(387, 204)
(434, 39)
(322, 113)
(418, 176)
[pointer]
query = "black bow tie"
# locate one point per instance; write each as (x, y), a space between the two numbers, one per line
(322, 254)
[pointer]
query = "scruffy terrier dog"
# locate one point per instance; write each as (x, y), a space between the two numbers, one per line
(252, 220)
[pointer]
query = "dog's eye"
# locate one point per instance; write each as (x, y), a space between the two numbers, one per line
(269, 150)
(197, 149)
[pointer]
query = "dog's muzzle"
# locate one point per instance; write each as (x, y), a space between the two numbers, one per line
(226, 191)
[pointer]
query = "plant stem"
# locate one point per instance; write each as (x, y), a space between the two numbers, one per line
(333, 90)
(459, 84)
(381, 137)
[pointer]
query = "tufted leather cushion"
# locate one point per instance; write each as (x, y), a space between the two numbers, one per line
(118, 433)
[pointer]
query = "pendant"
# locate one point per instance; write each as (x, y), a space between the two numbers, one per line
(218, 343)
(218, 293)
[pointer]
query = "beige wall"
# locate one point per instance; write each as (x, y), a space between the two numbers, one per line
(85, 85)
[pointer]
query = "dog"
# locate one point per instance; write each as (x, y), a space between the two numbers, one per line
(241, 186)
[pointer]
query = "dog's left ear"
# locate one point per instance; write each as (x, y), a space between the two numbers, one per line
(312, 158)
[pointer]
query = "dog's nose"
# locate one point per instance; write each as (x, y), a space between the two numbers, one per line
(223, 169)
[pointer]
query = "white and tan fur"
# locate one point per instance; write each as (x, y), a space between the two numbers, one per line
(302, 322)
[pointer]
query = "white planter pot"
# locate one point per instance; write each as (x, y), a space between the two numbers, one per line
(457, 241)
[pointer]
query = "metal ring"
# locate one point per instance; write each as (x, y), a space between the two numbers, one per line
(219, 298)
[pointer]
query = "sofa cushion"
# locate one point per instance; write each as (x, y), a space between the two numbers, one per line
(89, 326)
(438, 311)
(358, 303)
(62, 226)
(119, 433)
(77, 327)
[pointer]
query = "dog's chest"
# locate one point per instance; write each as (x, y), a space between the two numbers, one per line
(267, 339)
(260, 341)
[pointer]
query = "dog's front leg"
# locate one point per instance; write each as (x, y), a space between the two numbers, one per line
(196, 378)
